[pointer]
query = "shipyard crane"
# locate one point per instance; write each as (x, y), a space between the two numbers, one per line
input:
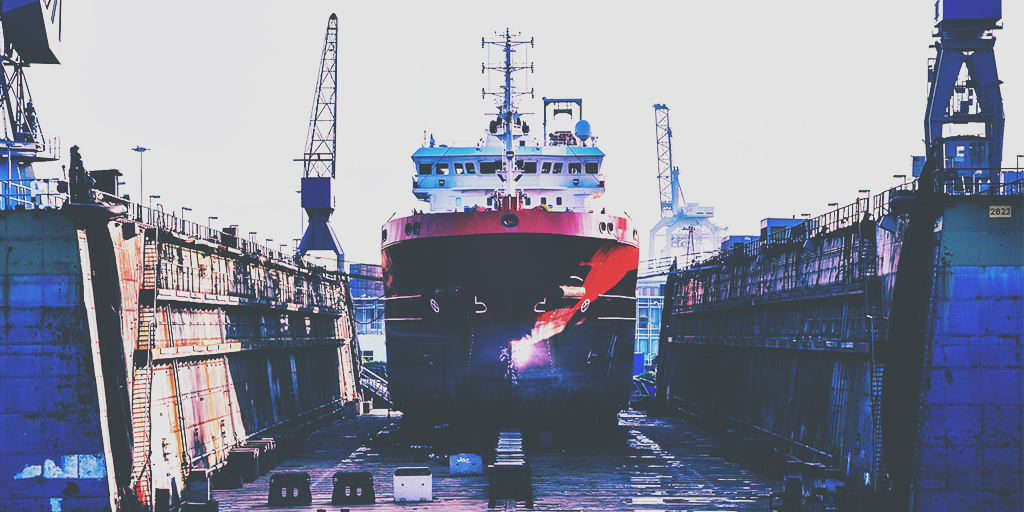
(685, 229)
(318, 160)
(31, 33)
(965, 105)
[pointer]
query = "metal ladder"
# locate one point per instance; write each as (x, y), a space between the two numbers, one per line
(142, 375)
(880, 475)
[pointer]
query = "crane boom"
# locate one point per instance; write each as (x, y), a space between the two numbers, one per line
(668, 176)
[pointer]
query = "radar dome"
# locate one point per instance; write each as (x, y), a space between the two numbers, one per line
(583, 130)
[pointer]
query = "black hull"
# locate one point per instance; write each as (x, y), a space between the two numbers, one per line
(462, 372)
(480, 328)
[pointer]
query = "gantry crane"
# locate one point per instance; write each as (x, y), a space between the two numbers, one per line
(318, 161)
(685, 229)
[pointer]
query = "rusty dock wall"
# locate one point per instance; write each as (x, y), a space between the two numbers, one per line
(140, 347)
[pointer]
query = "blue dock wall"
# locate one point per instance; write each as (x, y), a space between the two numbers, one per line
(53, 457)
(970, 440)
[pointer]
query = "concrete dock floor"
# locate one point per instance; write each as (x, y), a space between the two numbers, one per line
(652, 464)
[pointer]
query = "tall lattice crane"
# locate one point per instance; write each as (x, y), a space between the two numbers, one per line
(685, 229)
(319, 159)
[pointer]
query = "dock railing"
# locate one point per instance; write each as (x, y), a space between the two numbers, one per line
(31, 194)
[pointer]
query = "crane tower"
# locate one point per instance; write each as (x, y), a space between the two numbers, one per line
(685, 229)
(31, 35)
(318, 160)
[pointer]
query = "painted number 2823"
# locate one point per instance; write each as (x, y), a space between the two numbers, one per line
(999, 211)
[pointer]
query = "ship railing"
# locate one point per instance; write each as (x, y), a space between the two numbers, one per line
(31, 194)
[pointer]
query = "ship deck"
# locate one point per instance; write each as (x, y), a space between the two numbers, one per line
(650, 464)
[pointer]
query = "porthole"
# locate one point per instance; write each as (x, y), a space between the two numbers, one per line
(600, 227)
(509, 220)
(415, 228)
(408, 229)
(636, 235)
(383, 235)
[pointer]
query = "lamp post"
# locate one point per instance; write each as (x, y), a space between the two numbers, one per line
(140, 150)
(209, 221)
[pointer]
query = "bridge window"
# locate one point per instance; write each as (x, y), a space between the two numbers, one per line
(459, 169)
(591, 167)
(470, 168)
(425, 168)
(527, 200)
(543, 200)
(558, 200)
(527, 167)
(545, 168)
(558, 168)
(490, 200)
(441, 169)
(574, 168)
(489, 167)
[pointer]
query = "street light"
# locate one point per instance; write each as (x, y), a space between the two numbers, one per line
(209, 221)
(183, 210)
(140, 150)
(151, 198)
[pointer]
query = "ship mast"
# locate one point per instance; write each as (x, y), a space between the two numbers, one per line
(507, 116)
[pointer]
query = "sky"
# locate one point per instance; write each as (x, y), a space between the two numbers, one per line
(777, 108)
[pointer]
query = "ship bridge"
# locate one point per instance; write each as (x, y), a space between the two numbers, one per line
(455, 179)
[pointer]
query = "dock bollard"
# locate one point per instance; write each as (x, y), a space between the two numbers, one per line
(414, 484)
(353, 488)
(245, 462)
(289, 488)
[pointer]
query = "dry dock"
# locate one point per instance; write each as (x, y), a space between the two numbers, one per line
(650, 464)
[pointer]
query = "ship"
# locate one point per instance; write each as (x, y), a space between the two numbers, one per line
(144, 355)
(511, 300)
(871, 355)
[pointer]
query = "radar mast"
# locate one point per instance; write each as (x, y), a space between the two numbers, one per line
(508, 120)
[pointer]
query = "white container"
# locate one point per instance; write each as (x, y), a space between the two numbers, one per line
(414, 484)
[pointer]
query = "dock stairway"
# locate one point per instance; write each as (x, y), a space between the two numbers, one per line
(375, 384)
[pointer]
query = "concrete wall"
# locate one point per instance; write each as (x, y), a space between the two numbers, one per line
(52, 457)
(971, 436)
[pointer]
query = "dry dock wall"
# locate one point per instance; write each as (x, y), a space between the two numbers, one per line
(970, 434)
(132, 355)
(53, 456)
(903, 368)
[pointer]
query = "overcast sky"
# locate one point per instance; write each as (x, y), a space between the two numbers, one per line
(777, 108)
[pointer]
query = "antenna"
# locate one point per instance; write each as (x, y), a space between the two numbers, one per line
(508, 120)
